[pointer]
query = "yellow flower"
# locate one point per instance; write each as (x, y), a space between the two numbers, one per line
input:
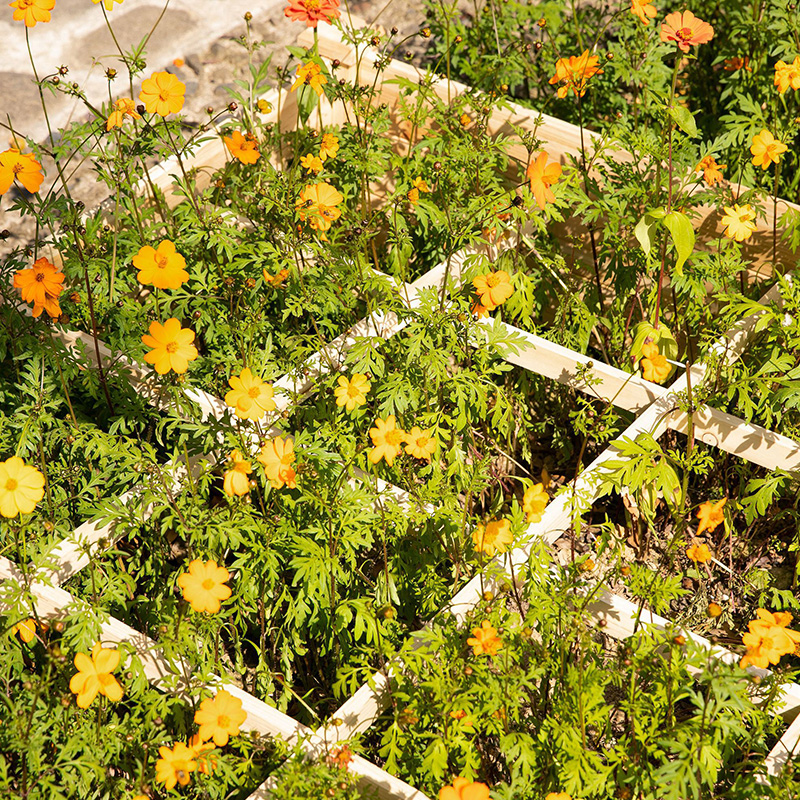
(311, 163)
(94, 676)
(710, 515)
(352, 393)
(164, 268)
(204, 586)
(462, 789)
(768, 639)
(32, 11)
(712, 172)
(176, 765)
(534, 502)
(558, 795)
(311, 75)
(421, 444)
(220, 717)
(172, 347)
(22, 167)
(124, 107)
(162, 94)
(277, 457)
(485, 640)
(655, 367)
(387, 439)
(766, 149)
(249, 397)
(493, 288)
(318, 202)
(243, 148)
(738, 222)
(329, 147)
(235, 481)
(787, 75)
(644, 10)
(109, 4)
(26, 630)
(699, 553)
(493, 538)
(21, 487)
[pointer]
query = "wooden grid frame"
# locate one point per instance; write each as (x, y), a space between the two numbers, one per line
(654, 405)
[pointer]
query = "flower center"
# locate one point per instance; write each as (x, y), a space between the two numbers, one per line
(685, 33)
(223, 721)
(254, 392)
(25, 3)
(19, 166)
(161, 261)
(492, 280)
(312, 5)
(180, 774)
(11, 485)
(207, 584)
(172, 347)
(353, 390)
(163, 95)
(39, 277)
(394, 438)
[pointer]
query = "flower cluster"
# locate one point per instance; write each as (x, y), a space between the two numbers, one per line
(388, 440)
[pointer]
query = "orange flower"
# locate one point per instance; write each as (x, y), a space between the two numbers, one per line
(685, 29)
(699, 553)
(766, 149)
(205, 763)
(787, 75)
(493, 289)
(738, 222)
(712, 172)
(534, 502)
(164, 268)
(277, 457)
(485, 640)
(250, 397)
(203, 586)
(736, 63)
(329, 147)
(352, 393)
(644, 10)
(421, 444)
(26, 630)
(220, 717)
(277, 279)
(172, 347)
(310, 74)
(243, 148)
(32, 11)
(124, 107)
(94, 676)
(176, 765)
(574, 73)
(493, 538)
(388, 440)
(542, 176)
(312, 11)
(22, 167)
(318, 202)
(655, 367)
(710, 515)
(462, 789)
(465, 120)
(418, 185)
(311, 163)
(235, 482)
(340, 757)
(162, 94)
(768, 639)
(41, 285)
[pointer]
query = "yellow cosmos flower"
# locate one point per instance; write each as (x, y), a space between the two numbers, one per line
(243, 148)
(766, 149)
(277, 457)
(318, 203)
(250, 397)
(462, 789)
(124, 107)
(32, 11)
(162, 93)
(172, 347)
(329, 147)
(26, 629)
(21, 487)
(164, 267)
(710, 515)
(738, 222)
(493, 289)
(655, 367)
(235, 481)
(768, 638)
(94, 676)
(558, 796)
(220, 717)
(421, 444)
(311, 163)
(534, 502)
(699, 553)
(204, 586)
(493, 538)
(787, 75)
(22, 167)
(310, 74)
(175, 766)
(387, 439)
(485, 640)
(109, 4)
(352, 393)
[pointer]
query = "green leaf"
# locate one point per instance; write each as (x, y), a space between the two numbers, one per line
(682, 233)
(645, 228)
(683, 119)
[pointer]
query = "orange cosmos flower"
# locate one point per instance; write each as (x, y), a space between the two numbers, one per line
(175, 765)
(493, 289)
(712, 172)
(162, 93)
(534, 502)
(685, 29)
(312, 11)
(787, 75)
(574, 73)
(311, 163)
(738, 222)
(493, 538)
(329, 147)
(94, 676)
(124, 107)
(387, 439)
(558, 796)
(699, 553)
(32, 11)
(418, 185)
(485, 640)
(655, 367)
(644, 10)
(250, 397)
(22, 167)
(220, 717)
(277, 457)
(203, 586)
(235, 482)
(243, 148)
(318, 203)
(768, 639)
(164, 267)
(41, 285)
(206, 762)
(710, 515)
(352, 393)
(172, 347)
(26, 630)
(766, 149)
(310, 74)
(542, 176)
(277, 279)
(21, 487)
(462, 789)
(736, 63)
(421, 444)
